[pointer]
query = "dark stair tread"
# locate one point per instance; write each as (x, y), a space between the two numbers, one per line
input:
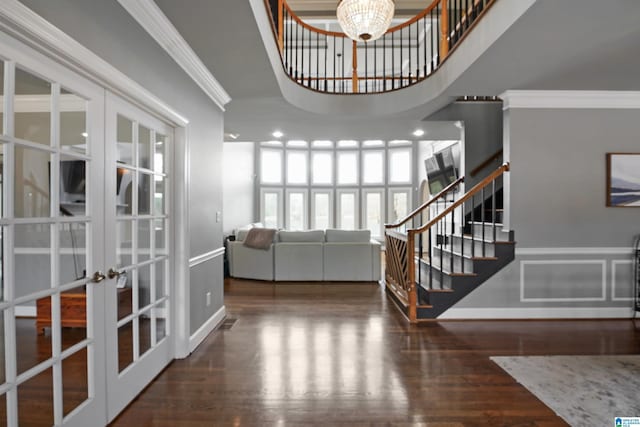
(469, 257)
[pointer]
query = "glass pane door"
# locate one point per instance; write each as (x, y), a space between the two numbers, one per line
(137, 207)
(51, 330)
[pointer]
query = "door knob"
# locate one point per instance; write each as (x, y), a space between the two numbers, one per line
(113, 273)
(98, 277)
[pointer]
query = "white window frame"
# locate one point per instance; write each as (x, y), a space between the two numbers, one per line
(356, 198)
(380, 191)
(280, 193)
(330, 193)
(305, 203)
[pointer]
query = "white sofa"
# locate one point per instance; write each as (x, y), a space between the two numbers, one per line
(249, 263)
(313, 255)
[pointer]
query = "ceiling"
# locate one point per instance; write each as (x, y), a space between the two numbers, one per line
(555, 45)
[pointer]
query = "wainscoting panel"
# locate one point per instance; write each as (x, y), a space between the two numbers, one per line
(622, 280)
(556, 280)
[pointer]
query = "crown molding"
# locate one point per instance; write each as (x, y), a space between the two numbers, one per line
(555, 99)
(151, 18)
(26, 25)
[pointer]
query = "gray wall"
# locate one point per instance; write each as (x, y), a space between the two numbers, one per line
(109, 31)
(482, 123)
(573, 253)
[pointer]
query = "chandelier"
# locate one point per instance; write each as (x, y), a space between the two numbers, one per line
(365, 20)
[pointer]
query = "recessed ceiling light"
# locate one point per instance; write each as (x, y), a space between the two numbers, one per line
(418, 132)
(85, 134)
(277, 134)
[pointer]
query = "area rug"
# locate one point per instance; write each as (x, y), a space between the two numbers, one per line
(583, 390)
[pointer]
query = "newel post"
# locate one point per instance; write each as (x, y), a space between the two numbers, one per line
(444, 30)
(281, 25)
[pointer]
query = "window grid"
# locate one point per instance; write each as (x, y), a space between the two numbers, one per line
(328, 155)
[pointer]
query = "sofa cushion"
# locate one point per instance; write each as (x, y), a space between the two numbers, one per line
(260, 238)
(301, 236)
(348, 236)
(241, 234)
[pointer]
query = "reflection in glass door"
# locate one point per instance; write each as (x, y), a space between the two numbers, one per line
(51, 330)
(137, 212)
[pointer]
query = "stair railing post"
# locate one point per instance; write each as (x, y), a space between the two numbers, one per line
(411, 265)
(281, 26)
(354, 61)
(444, 30)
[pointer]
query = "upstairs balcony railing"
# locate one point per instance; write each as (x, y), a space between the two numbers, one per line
(330, 62)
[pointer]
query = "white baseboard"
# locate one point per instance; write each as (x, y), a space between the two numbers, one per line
(25, 311)
(539, 313)
(206, 328)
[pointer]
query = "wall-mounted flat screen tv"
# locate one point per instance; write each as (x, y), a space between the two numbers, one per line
(441, 170)
(73, 177)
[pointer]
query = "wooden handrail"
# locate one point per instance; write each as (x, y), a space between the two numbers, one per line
(475, 190)
(426, 204)
(487, 162)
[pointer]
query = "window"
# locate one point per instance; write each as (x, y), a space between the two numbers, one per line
(343, 184)
(347, 168)
(322, 168)
(399, 203)
(271, 208)
(296, 210)
(271, 166)
(322, 144)
(373, 167)
(400, 166)
(296, 167)
(322, 209)
(373, 211)
(347, 209)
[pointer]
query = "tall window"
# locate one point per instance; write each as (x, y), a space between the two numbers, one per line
(322, 209)
(322, 168)
(271, 166)
(345, 184)
(347, 209)
(296, 209)
(296, 167)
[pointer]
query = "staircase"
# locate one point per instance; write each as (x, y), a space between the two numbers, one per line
(434, 263)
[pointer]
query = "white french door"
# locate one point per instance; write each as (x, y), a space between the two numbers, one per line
(84, 238)
(137, 206)
(52, 233)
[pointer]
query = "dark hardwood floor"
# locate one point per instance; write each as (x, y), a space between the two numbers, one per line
(341, 354)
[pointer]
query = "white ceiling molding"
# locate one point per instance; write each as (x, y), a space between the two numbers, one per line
(28, 26)
(553, 99)
(151, 18)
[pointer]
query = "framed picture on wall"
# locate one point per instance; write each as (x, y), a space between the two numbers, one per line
(623, 180)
